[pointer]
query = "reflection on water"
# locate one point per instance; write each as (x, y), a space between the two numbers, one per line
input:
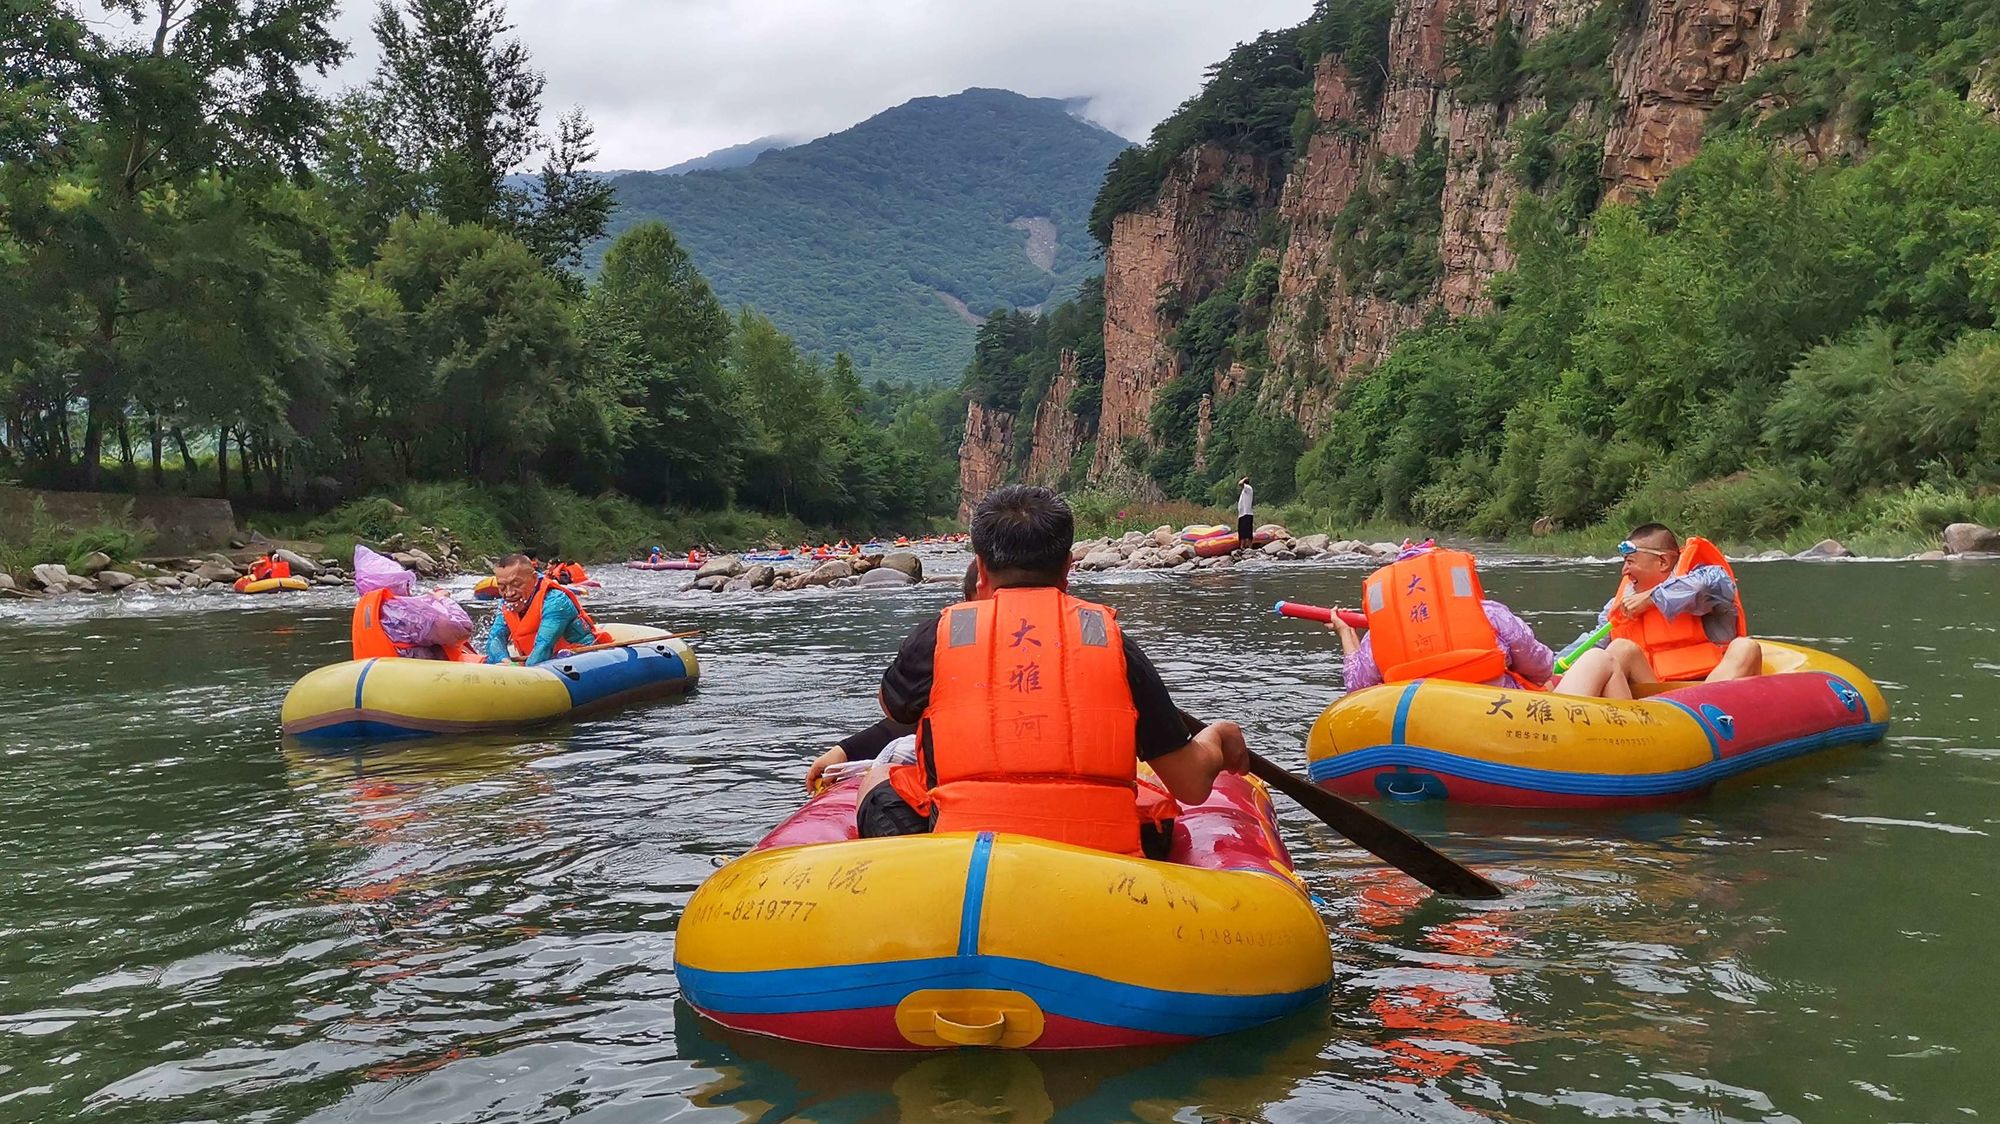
(199, 921)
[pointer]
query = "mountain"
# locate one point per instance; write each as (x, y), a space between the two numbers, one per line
(735, 156)
(888, 240)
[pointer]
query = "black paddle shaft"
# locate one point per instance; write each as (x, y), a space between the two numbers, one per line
(1370, 832)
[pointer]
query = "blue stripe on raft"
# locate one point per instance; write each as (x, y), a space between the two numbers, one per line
(1057, 991)
(368, 728)
(975, 895)
(1402, 719)
(1714, 747)
(361, 679)
(1585, 784)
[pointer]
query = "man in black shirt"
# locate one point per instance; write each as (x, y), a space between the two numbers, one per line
(1021, 538)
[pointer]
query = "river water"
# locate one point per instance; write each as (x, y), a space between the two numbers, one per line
(198, 922)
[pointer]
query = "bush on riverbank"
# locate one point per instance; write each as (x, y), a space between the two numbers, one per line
(44, 538)
(550, 521)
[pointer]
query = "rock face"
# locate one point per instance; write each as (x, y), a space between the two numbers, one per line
(1670, 63)
(1971, 538)
(983, 454)
(1160, 264)
(1058, 432)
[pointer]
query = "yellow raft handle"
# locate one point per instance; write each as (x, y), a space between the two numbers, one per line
(968, 1034)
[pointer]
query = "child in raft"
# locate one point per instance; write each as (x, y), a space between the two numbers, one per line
(1527, 661)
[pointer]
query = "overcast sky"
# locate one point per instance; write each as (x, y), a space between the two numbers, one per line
(665, 80)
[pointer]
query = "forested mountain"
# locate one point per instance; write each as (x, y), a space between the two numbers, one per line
(881, 241)
(734, 156)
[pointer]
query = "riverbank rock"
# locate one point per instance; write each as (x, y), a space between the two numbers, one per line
(7, 581)
(885, 577)
(1971, 538)
(52, 576)
(1103, 558)
(303, 567)
(1311, 546)
(329, 580)
(1768, 556)
(906, 563)
(94, 563)
(727, 566)
(1823, 549)
(114, 579)
(826, 573)
(215, 570)
(760, 575)
(1928, 556)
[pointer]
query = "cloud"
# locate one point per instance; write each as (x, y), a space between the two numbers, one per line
(665, 80)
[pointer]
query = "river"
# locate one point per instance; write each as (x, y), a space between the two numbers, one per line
(199, 922)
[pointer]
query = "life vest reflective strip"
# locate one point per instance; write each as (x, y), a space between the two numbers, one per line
(521, 628)
(1426, 620)
(370, 639)
(1031, 727)
(1678, 649)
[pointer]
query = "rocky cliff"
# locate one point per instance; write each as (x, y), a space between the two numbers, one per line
(1397, 207)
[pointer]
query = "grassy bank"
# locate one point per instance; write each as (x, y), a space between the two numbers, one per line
(549, 521)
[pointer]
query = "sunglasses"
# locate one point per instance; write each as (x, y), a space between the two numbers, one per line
(1629, 547)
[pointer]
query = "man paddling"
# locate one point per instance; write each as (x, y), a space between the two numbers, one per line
(540, 620)
(1032, 708)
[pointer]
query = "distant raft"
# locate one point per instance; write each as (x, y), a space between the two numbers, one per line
(666, 564)
(933, 942)
(1437, 740)
(270, 585)
(411, 698)
(1212, 540)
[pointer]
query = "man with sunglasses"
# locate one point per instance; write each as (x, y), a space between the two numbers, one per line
(1677, 616)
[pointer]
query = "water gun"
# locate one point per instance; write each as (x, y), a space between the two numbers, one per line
(1299, 611)
(1580, 645)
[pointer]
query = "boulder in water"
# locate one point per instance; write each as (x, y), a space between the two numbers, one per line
(885, 577)
(114, 579)
(761, 575)
(727, 566)
(1822, 550)
(906, 562)
(826, 573)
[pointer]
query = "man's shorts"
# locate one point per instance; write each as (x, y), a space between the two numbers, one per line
(883, 813)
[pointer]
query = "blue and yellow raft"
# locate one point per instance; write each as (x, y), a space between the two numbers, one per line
(407, 698)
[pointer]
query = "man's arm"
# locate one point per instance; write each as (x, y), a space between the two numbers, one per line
(1186, 765)
(496, 639)
(906, 682)
(1700, 591)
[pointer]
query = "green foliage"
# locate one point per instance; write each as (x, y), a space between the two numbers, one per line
(1388, 234)
(852, 242)
(44, 538)
(1256, 102)
(200, 258)
(1760, 348)
(1484, 67)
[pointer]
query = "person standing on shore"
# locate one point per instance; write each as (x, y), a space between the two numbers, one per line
(1245, 500)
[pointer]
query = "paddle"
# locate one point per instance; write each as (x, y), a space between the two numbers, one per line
(1370, 832)
(1301, 611)
(629, 643)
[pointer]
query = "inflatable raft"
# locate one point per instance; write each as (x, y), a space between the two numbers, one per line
(938, 941)
(665, 564)
(1215, 539)
(409, 698)
(769, 556)
(271, 585)
(1434, 740)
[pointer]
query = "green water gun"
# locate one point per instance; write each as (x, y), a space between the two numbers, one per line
(1581, 645)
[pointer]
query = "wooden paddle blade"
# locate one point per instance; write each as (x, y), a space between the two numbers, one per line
(1378, 836)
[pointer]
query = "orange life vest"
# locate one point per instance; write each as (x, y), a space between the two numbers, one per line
(370, 639)
(1425, 620)
(1031, 727)
(521, 627)
(1678, 649)
(569, 573)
